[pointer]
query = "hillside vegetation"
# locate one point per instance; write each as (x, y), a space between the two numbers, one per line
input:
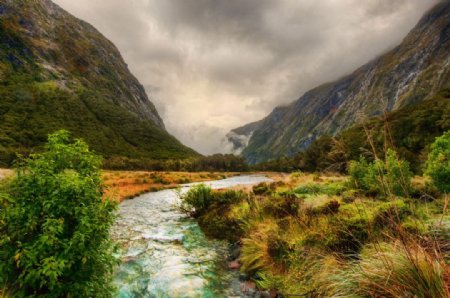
(58, 72)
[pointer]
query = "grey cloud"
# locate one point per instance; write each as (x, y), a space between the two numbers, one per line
(212, 65)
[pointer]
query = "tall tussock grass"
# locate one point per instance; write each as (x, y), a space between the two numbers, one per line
(392, 270)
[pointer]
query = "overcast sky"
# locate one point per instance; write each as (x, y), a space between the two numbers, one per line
(213, 65)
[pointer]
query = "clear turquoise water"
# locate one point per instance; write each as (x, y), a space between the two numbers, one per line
(164, 253)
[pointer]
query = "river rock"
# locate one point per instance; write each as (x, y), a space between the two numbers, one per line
(248, 288)
(235, 265)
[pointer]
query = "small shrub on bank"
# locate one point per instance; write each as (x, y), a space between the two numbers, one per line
(385, 178)
(263, 189)
(438, 164)
(282, 206)
(197, 200)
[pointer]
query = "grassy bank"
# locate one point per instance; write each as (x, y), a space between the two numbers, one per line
(315, 235)
(377, 233)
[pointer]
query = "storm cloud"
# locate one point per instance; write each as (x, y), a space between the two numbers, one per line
(213, 65)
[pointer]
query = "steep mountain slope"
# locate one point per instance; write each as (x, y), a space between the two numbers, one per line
(239, 137)
(412, 72)
(59, 72)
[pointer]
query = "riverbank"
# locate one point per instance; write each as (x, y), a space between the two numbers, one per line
(320, 235)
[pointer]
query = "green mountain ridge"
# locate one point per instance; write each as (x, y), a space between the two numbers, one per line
(409, 131)
(56, 72)
(414, 71)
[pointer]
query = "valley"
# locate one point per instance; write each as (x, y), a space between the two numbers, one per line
(343, 192)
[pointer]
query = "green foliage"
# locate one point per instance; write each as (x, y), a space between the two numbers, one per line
(197, 200)
(385, 178)
(331, 189)
(54, 225)
(390, 214)
(263, 189)
(438, 164)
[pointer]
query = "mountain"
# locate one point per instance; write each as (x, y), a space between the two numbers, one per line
(57, 71)
(412, 72)
(239, 137)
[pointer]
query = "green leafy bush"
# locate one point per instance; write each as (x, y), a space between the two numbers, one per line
(438, 164)
(200, 198)
(197, 200)
(54, 225)
(389, 177)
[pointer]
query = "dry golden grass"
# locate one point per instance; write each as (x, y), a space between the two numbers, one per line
(122, 185)
(5, 173)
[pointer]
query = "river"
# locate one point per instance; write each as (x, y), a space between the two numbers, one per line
(164, 253)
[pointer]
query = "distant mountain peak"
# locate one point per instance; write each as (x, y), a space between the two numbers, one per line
(412, 72)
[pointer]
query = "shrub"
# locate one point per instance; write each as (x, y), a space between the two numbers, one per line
(263, 189)
(391, 213)
(216, 220)
(54, 225)
(331, 207)
(227, 197)
(218, 223)
(349, 196)
(263, 248)
(201, 197)
(438, 164)
(349, 236)
(197, 200)
(282, 206)
(389, 177)
(159, 179)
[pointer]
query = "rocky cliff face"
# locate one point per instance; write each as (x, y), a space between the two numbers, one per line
(412, 72)
(57, 71)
